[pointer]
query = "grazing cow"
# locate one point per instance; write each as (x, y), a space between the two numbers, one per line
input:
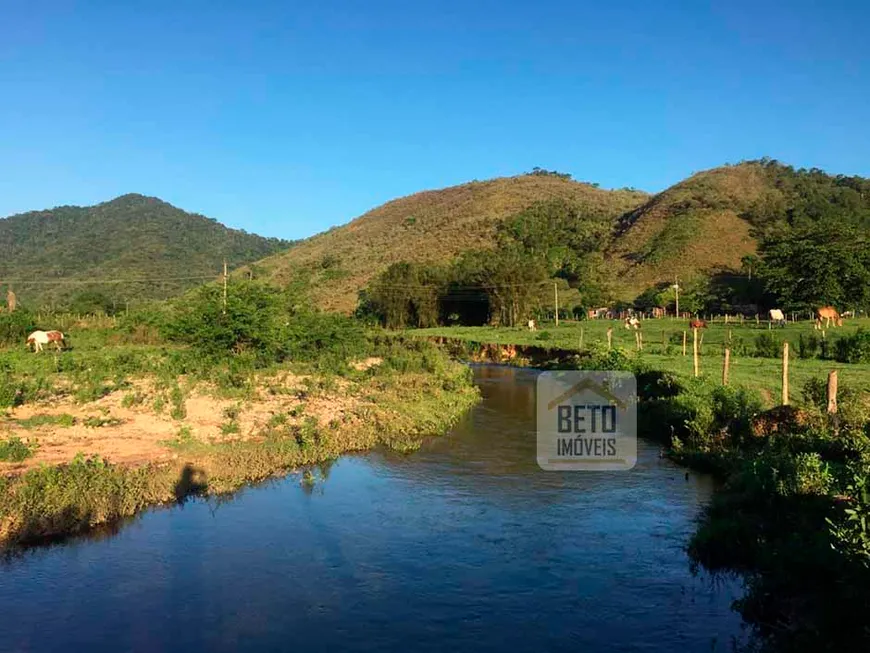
(828, 314)
(532, 326)
(777, 316)
(697, 324)
(632, 322)
(38, 339)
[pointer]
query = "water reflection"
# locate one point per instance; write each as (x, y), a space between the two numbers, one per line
(464, 545)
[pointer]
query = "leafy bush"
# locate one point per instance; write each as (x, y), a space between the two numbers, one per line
(851, 407)
(808, 347)
(854, 348)
(734, 408)
(266, 323)
(15, 327)
(768, 346)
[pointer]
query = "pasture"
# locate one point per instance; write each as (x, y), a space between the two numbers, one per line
(756, 348)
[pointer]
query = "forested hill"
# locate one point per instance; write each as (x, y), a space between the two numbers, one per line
(88, 255)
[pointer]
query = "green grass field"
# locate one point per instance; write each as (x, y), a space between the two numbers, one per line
(747, 368)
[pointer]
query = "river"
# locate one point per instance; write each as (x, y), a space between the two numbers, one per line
(465, 545)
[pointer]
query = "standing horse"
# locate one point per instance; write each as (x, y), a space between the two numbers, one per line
(828, 314)
(38, 339)
(777, 316)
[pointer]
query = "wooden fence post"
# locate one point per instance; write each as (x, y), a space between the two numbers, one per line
(832, 392)
(832, 401)
(695, 350)
(726, 366)
(684, 343)
(785, 373)
(609, 337)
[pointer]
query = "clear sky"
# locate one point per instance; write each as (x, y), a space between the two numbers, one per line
(285, 118)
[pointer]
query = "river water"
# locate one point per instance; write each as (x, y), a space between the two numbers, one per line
(465, 545)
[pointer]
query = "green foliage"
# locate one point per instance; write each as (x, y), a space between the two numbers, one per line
(252, 320)
(768, 346)
(850, 530)
(93, 301)
(130, 237)
(264, 323)
(506, 285)
(36, 421)
(542, 172)
(818, 265)
(15, 327)
(854, 348)
(406, 294)
(14, 450)
(671, 241)
(809, 346)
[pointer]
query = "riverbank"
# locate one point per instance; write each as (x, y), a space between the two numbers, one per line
(755, 351)
(86, 448)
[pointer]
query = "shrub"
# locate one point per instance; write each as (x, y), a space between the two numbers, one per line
(14, 450)
(854, 348)
(808, 347)
(267, 324)
(15, 327)
(734, 408)
(768, 346)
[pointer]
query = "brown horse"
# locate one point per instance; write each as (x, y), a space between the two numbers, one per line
(697, 324)
(828, 314)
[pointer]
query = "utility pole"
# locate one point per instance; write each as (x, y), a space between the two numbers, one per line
(556, 300)
(225, 287)
(677, 296)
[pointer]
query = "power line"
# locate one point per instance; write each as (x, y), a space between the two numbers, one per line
(87, 282)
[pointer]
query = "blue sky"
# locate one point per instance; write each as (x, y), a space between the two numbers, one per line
(285, 118)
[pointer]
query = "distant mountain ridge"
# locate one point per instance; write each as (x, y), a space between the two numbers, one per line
(50, 256)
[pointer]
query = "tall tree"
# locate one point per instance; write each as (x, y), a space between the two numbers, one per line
(823, 263)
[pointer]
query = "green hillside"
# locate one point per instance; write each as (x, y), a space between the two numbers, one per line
(429, 227)
(708, 223)
(52, 257)
(709, 230)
